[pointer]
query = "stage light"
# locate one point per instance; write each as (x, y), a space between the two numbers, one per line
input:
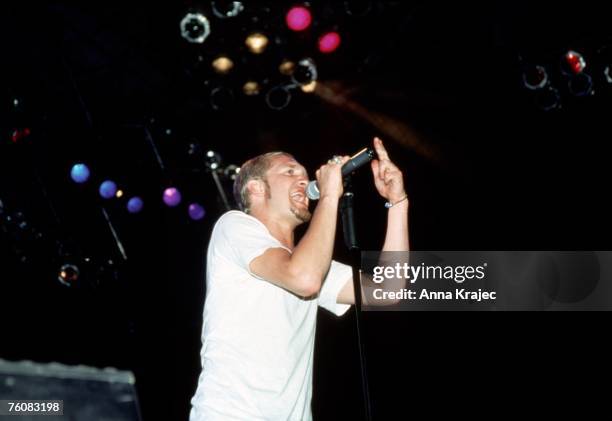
(299, 18)
(119, 194)
(79, 173)
(195, 28)
(608, 73)
(257, 42)
(535, 77)
(287, 67)
(310, 88)
(68, 274)
(278, 98)
(221, 98)
(135, 205)
(573, 63)
(213, 160)
(196, 211)
(581, 85)
(251, 88)
(227, 9)
(305, 72)
(222, 65)
(232, 172)
(329, 42)
(108, 189)
(358, 7)
(605, 57)
(172, 197)
(548, 99)
(18, 135)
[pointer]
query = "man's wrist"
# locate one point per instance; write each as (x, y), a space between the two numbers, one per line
(399, 201)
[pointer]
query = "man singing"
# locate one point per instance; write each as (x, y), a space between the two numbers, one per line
(262, 289)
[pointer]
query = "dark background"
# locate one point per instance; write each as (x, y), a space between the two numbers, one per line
(484, 169)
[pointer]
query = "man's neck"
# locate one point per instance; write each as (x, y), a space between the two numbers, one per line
(280, 229)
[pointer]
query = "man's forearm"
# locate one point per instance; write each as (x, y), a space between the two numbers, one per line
(314, 252)
(396, 238)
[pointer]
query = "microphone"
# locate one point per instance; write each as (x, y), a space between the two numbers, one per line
(357, 161)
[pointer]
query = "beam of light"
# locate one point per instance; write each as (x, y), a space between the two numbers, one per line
(336, 95)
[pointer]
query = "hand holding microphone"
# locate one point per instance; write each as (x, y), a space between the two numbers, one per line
(350, 165)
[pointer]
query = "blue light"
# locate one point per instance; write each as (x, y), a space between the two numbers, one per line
(108, 189)
(135, 205)
(79, 173)
(196, 211)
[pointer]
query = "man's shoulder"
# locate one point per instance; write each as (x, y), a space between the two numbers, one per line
(237, 220)
(235, 216)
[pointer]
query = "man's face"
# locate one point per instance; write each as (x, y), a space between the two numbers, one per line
(287, 181)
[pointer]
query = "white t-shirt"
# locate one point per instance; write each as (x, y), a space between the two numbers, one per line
(257, 338)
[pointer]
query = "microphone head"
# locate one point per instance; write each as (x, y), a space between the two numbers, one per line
(312, 191)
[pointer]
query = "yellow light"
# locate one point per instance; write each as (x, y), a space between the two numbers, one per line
(119, 194)
(257, 42)
(223, 65)
(251, 88)
(310, 88)
(286, 67)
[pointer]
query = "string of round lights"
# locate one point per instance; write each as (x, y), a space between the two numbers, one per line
(571, 75)
(274, 39)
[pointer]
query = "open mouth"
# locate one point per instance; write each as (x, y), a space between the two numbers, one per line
(299, 197)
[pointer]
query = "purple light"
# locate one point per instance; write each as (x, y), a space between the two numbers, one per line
(329, 42)
(79, 173)
(299, 18)
(196, 212)
(135, 205)
(172, 197)
(108, 189)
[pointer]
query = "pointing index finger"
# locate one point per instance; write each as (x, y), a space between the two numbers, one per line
(380, 149)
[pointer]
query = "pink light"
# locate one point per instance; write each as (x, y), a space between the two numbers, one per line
(299, 18)
(329, 42)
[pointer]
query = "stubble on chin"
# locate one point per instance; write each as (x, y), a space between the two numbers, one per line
(303, 215)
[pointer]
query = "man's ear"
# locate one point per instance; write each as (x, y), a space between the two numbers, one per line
(256, 188)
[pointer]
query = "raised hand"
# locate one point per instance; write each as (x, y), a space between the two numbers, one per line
(388, 179)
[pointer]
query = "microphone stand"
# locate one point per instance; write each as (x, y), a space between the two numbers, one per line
(350, 239)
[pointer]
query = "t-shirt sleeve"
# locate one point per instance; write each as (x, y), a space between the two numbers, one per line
(246, 237)
(339, 274)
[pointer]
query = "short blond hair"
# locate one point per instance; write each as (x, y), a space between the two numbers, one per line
(254, 169)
